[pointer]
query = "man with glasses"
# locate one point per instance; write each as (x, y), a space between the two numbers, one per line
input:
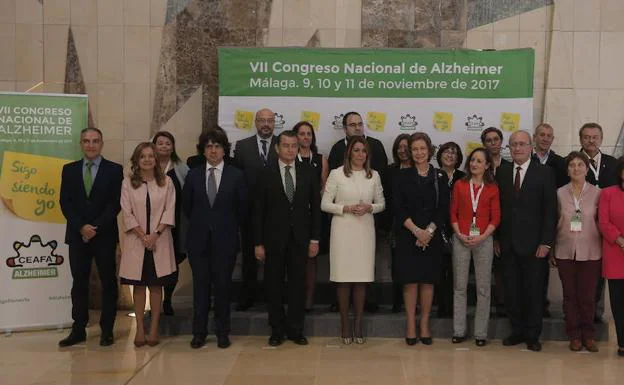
(602, 174)
(89, 198)
(354, 126)
(526, 234)
(251, 155)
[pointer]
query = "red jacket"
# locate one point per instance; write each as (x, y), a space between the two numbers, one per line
(488, 211)
(611, 221)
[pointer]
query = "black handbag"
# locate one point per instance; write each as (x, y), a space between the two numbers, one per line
(446, 243)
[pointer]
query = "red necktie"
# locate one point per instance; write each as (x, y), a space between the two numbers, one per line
(517, 179)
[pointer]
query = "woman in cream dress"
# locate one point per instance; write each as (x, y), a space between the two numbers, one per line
(353, 193)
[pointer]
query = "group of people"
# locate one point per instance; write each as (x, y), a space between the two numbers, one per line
(510, 217)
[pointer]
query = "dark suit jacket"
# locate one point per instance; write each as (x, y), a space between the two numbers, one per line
(378, 158)
(99, 209)
(528, 218)
(558, 164)
(247, 158)
(221, 220)
(606, 176)
(274, 216)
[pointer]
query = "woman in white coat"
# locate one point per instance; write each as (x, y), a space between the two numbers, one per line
(353, 193)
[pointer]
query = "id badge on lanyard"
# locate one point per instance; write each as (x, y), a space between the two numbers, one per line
(576, 224)
(474, 229)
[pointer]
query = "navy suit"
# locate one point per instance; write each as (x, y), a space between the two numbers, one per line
(212, 242)
(100, 209)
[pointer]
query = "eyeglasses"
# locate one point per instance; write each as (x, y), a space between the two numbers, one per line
(265, 121)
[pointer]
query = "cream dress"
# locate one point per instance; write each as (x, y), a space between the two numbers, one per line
(352, 242)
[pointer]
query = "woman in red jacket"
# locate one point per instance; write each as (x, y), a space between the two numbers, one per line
(611, 220)
(474, 214)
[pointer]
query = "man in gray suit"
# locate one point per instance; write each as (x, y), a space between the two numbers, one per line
(251, 155)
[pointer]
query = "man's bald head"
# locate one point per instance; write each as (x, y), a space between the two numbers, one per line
(265, 123)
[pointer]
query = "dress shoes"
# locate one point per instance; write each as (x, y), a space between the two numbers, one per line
(73, 338)
(107, 339)
(298, 339)
(513, 340)
(245, 305)
(426, 340)
(411, 341)
(276, 340)
(223, 342)
(458, 339)
(198, 341)
(576, 345)
(534, 346)
(620, 352)
(591, 346)
(480, 343)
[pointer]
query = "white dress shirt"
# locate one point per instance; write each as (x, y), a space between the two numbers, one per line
(522, 171)
(218, 172)
(282, 167)
(543, 159)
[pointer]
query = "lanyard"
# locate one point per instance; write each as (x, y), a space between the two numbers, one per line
(595, 170)
(577, 202)
(475, 200)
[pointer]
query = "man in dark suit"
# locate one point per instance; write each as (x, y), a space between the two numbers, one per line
(89, 198)
(543, 138)
(215, 201)
(287, 224)
(602, 174)
(526, 234)
(252, 155)
(353, 125)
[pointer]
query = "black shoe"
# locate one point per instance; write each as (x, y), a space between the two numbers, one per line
(513, 340)
(411, 341)
(167, 308)
(480, 343)
(458, 340)
(73, 338)
(298, 339)
(371, 307)
(534, 346)
(198, 341)
(333, 308)
(426, 340)
(620, 352)
(245, 305)
(223, 342)
(107, 339)
(276, 340)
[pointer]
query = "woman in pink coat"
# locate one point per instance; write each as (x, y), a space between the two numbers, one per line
(611, 215)
(148, 258)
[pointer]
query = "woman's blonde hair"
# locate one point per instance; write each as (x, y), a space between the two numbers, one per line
(135, 177)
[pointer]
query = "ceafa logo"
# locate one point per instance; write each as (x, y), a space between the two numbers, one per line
(337, 122)
(474, 123)
(279, 121)
(35, 259)
(408, 122)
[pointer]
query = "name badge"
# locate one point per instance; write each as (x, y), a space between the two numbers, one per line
(474, 230)
(576, 224)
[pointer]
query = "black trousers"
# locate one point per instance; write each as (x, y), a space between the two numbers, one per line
(616, 297)
(524, 293)
(210, 269)
(249, 272)
(290, 262)
(80, 257)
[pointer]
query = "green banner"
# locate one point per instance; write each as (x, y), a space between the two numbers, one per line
(39, 133)
(367, 73)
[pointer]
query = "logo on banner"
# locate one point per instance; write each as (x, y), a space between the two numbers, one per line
(337, 122)
(469, 146)
(314, 118)
(474, 123)
(244, 119)
(510, 121)
(408, 122)
(279, 121)
(376, 121)
(35, 259)
(443, 121)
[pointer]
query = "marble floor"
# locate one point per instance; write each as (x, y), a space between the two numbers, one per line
(34, 358)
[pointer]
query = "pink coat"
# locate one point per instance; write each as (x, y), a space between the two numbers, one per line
(133, 208)
(611, 215)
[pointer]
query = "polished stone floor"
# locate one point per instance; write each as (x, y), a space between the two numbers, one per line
(34, 358)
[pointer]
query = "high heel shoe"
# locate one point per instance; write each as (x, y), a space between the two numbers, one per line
(411, 341)
(346, 340)
(426, 340)
(458, 339)
(358, 339)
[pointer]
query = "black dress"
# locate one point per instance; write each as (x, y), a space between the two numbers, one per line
(148, 274)
(414, 197)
